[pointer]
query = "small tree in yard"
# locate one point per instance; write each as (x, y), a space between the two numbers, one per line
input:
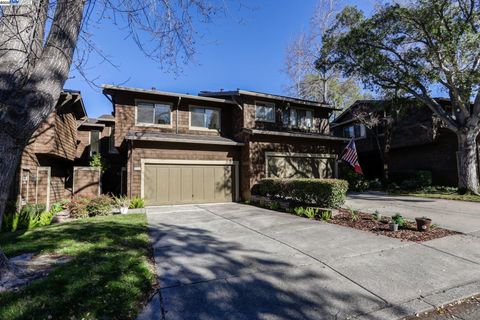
(38, 41)
(420, 47)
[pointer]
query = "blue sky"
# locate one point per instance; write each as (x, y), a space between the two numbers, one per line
(244, 50)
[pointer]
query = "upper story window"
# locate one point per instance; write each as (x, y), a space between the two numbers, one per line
(94, 142)
(301, 118)
(355, 131)
(154, 113)
(205, 118)
(265, 111)
(111, 141)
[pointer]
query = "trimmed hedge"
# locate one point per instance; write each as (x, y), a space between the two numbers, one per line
(327, 193)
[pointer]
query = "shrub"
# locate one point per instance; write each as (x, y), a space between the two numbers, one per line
(327, 193)
(274, 205)
(78, 207)
(121, 201)
(137, 203)
(29, 216)
(10, 221)
(414, 179)
(58, 206)
(98, 162)
(375, 184)
(356, 182)
(45, 218)
(398, 219)
(326, 215)
(99, 206)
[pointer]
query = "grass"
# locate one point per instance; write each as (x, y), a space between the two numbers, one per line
(441, 195)
(110, 275)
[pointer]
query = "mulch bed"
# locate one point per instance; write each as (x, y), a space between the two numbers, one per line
(408, 232)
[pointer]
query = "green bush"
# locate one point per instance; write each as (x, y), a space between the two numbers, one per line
(327, 193)
(413, 180)
(45, 218)
(29, 216)
(78, 207)
(100, 206)
(10, 222)
(398, 219)
(356, 182)
(59, 206)
(137, 203)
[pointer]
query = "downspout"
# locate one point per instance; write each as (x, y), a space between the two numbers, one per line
(130, 151)
(177, 114)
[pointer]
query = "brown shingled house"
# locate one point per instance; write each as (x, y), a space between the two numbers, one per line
(45, 170)
(181, 148)
(420, 141)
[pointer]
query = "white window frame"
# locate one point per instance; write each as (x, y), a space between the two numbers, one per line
(267, 104)
(363, 131)
(190, 127)
(157, 125)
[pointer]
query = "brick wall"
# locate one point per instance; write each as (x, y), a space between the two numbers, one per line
(158, 150)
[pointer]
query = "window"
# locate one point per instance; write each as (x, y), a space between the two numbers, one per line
(94, 142)
(111, 141)
(154, 113)
(206, 118)
(301, 118)
(264, 111)
(356, 131)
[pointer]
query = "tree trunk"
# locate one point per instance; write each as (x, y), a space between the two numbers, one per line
(467, 161)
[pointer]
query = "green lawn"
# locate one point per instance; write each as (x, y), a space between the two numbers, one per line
(109, 277)
(442, 195)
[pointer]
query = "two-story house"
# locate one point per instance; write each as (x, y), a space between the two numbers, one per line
(181, 148)
(45, 172)
(419, 141)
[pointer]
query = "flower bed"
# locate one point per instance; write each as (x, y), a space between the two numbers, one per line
(366, 222)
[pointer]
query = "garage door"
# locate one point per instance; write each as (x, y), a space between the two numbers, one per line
(299, 167)
(181, 184)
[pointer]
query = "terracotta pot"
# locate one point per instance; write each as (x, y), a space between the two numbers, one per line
(423, 224)
(393, 227)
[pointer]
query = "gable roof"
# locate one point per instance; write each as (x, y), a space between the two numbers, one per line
(240, 92)
(75, 100)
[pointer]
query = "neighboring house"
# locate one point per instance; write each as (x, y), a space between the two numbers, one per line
(96, 136)
(420, 141)
(181, 148)
(45, 173)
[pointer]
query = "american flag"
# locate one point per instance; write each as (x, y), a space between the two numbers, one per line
(350, 156)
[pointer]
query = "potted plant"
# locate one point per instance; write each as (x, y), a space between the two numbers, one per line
(423, 223)
(122, 203)
(377, 215)
(397, 221)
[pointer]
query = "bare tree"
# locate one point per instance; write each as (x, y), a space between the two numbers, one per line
(310, 78)
(38, 41)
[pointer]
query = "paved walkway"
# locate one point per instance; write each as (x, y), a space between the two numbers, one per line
(233, 261)
(460, 216)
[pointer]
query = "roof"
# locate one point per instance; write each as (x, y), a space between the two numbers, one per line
(239, 92)
(302, 135)
(181, 138)
(76, 100)
(111, 88)
(90, 122)
(106, 117)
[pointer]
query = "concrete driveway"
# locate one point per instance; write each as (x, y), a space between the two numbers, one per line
(462, 216)
(233, 261)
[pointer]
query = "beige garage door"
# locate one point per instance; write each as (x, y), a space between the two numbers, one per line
(181, 184)
(299, 167)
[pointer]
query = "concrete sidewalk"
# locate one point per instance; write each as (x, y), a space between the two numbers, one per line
(462, 216)
(232, 261)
